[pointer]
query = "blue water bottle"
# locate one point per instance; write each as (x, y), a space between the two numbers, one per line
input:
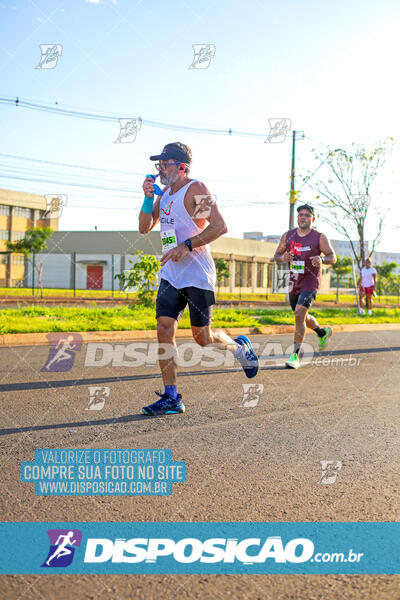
(157, 190)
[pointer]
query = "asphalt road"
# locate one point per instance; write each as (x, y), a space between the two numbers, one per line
(254, 462)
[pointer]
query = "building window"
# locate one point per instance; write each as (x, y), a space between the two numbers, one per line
(243, 274)
(17, 259)
(25, 213)
(238, 274)
(225, 282)
(4, 234)
(260, 275)
(39, 214)
(18, 235)
(4, 210)
(4, 259)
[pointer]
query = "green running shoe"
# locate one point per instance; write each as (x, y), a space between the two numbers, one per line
(293, 362)
(323, 341)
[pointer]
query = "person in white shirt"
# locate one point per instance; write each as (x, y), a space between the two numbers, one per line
(367, 283)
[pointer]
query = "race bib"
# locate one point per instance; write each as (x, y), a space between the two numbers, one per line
(297, 266)
(168, 240)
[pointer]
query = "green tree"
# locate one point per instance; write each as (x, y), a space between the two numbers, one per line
(385, 272)
(34, 241)
(142, 276)
(222, 269)
(340, 268)
(394, 286)
(344, 193)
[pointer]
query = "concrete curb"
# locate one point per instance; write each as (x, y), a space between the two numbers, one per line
(39, 339)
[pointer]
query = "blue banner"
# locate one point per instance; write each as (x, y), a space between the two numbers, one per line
(183, 548)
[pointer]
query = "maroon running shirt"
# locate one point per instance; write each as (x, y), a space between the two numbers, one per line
(303, 275)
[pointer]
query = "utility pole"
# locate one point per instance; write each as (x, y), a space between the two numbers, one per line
(292, 198)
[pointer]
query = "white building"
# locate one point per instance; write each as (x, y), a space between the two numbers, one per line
(378, 258)
(260, 237)
(343, 247)
(253, 235)
(91, 259)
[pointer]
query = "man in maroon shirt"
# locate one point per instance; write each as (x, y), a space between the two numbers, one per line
(301, 248)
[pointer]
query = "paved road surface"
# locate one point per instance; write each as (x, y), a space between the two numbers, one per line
(259, 463)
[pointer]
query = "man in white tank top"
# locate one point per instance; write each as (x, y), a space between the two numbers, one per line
(189, 221)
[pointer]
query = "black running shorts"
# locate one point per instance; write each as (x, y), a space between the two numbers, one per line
(172, 302)
(303, 299)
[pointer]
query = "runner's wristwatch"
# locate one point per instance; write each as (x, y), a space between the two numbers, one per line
(188, 243)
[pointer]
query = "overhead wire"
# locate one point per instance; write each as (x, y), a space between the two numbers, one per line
(57, 109)
(97, 181)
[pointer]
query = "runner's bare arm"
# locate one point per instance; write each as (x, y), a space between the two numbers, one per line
(199, 201)
(327, 250)
(281, 255)
(147, 221)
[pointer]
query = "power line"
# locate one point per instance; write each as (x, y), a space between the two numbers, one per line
(80, 185)
(101, 170)
(58, 110)
(50, 162)
(137, 197)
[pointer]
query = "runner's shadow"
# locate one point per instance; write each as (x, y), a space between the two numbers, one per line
(124, 419)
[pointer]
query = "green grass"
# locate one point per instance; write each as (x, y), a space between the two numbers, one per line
(330, 316)
(52, 319)
(343, 298)
(47, 292)
(64, 293)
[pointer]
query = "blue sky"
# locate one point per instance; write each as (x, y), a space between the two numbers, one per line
(330, 68)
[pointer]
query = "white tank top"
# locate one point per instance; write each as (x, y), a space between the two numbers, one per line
(197, 268)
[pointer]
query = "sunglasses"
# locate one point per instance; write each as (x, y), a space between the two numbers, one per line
(161, 166)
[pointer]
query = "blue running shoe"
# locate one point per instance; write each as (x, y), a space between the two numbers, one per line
(164, 406)
(248, 358)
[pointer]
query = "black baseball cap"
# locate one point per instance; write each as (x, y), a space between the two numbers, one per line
(306, 207)
(176, 151)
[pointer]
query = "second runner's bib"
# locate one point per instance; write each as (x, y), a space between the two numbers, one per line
(297, 266)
